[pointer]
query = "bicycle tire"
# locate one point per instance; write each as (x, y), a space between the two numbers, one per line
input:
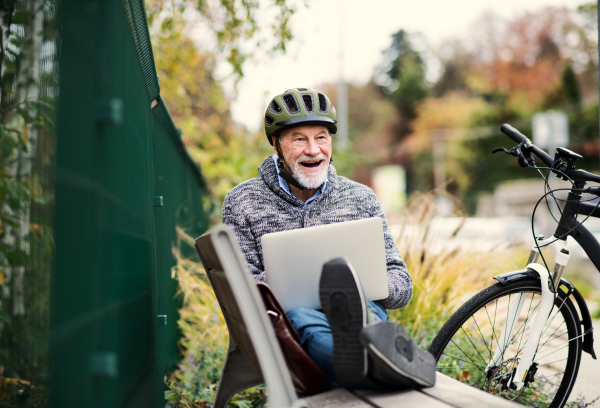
(456, 343)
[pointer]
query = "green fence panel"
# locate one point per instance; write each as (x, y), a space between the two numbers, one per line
(124, 184)
(179, 208)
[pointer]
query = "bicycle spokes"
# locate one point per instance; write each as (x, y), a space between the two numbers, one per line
(485, 353)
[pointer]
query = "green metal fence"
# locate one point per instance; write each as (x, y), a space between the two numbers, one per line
(107, 187)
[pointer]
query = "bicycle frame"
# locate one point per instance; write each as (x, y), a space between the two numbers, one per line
(567, 226)
(580, 233)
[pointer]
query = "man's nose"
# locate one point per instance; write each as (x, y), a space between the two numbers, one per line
(312, 148)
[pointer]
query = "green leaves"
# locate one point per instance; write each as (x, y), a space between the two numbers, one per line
(12, 257)
(4, 316)
(18, 189)
(237, 31)
(170, 396)
(7, 145)
(405, 84)
(17, 257)
(8, 221)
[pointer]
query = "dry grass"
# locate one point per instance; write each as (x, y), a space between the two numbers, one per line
(204, 339)
(204, 334)
(444, 276)
(200, 312)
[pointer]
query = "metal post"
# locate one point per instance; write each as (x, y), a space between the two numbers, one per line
(444, 204)
(439, 169)
(342, 102)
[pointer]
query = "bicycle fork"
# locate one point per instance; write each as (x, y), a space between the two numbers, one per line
(549, 285)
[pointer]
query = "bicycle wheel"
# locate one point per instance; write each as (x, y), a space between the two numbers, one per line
(467, 342)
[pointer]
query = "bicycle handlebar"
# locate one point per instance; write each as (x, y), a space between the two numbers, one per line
(514, 134)
(528, 147)
(519, 137)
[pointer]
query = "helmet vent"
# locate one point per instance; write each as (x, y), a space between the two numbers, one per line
(322, 103)
(308, 103)
(269, 120)
(301, 89)
(274, 107)
(291, 104)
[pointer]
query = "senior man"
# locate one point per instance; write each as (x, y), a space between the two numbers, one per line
(351, 339)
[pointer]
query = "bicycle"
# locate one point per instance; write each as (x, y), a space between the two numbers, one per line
(522, 338)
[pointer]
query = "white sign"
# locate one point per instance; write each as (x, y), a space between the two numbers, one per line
(550, 130)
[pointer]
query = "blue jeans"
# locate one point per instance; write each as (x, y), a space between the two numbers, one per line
(316, 338)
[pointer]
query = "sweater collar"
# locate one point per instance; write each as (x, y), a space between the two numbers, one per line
(268, 173)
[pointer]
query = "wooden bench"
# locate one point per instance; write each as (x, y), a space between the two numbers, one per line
(446, 393)
(254, 356)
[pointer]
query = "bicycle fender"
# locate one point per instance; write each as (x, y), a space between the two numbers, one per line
(516, 275)
(586, 319)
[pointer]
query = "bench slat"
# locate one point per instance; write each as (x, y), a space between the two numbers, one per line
(336, 398)
(447, 393)
(462, 395)
(396, 399)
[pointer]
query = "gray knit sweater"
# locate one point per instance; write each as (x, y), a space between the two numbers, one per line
(260, 206)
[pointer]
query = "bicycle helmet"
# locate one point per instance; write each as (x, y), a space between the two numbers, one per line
(299, 107)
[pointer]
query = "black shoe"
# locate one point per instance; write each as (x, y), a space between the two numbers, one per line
(344, 305)
(397, 360)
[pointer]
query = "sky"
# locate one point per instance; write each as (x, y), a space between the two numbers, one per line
(362, 29)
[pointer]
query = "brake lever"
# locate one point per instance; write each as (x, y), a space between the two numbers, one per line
(517, 151)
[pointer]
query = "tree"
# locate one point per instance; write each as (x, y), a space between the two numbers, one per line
(227, 153)
(524, 58)
(232, 26)
(403, 80)
(28, 94)
(505, 71)
(372, 121)
(456, 62)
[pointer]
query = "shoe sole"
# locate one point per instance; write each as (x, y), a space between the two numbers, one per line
(390, 344)
(344, 305)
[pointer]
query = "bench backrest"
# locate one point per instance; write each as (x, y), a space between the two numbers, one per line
(245, 313)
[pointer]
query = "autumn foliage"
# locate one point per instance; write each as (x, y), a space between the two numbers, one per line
(504, 71)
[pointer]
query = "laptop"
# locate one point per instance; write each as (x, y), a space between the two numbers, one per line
(294, 260)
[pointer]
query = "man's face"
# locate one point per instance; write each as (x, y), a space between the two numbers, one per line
(306, 151)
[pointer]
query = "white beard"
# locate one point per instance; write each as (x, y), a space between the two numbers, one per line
(310, 181)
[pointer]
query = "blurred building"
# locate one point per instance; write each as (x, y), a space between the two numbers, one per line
(518, 199)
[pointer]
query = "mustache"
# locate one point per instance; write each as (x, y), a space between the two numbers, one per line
(307, 158)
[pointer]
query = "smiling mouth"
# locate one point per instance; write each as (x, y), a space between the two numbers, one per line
(311, 164)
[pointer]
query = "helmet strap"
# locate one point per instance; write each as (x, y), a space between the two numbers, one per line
(283, 172)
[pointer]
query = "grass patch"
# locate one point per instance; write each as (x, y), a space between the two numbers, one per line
(596, 314)
(444, 275)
